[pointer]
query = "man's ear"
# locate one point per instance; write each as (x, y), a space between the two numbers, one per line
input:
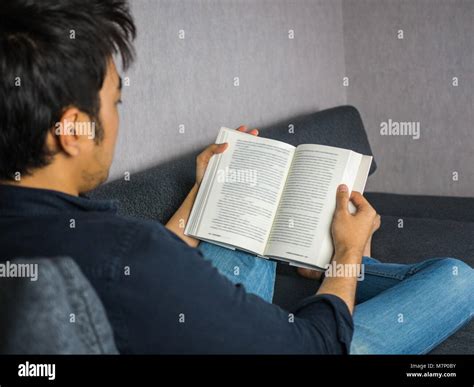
(67, 139)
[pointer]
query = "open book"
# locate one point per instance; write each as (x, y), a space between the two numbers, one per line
(274, 200)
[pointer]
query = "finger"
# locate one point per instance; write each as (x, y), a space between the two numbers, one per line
(220, 148)
(342, 198)
(242, 128)
(377, 221)
(253, 132)
(211, 150)
(216, 148)
(360, 202)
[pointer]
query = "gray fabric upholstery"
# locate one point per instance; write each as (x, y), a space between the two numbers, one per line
(427, 207)
(36, 316)
(434, 226)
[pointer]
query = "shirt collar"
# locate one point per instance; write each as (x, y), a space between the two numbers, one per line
(22, 201)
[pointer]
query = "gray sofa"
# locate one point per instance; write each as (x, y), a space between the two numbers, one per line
(433, 226)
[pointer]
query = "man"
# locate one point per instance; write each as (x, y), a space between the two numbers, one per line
(161, 293)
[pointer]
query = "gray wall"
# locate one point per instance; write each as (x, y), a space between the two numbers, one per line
(412, 80)
(190, 81)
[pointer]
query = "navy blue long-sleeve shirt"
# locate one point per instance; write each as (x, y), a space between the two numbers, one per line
(160, 295)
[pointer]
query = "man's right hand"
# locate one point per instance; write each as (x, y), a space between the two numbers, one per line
(348, 230)
(351, 232)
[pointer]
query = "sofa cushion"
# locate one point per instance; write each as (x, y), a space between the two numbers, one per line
(422, 238)
(423, 206)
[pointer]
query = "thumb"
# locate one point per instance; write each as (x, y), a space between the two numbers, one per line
(210, 151)
(221, 147)
(342, 198)
(216, 148)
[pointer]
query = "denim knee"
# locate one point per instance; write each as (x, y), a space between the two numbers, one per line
(457, 276)
(455, 266)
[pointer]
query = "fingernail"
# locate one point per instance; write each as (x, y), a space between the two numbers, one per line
(343, 188)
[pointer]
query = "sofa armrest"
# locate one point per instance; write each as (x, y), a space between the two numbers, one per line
(35, 314)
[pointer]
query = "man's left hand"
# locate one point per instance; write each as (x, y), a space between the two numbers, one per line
(203, 159)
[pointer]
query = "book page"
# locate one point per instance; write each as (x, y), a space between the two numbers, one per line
(240, 192)
(301, 230)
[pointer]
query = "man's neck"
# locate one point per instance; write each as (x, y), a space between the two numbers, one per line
(44, 181)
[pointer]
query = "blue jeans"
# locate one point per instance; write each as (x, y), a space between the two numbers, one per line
(401, 309)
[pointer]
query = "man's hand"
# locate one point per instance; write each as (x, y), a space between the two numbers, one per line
(342, 228)
(203, 159)
(351, 232)
(180, 218)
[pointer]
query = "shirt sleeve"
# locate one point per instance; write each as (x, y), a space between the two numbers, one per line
(176, 302)
(333, 309)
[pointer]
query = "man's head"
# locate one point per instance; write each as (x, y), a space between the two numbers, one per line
(59, 89)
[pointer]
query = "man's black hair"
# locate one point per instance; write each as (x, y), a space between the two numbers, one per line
(53, 55)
